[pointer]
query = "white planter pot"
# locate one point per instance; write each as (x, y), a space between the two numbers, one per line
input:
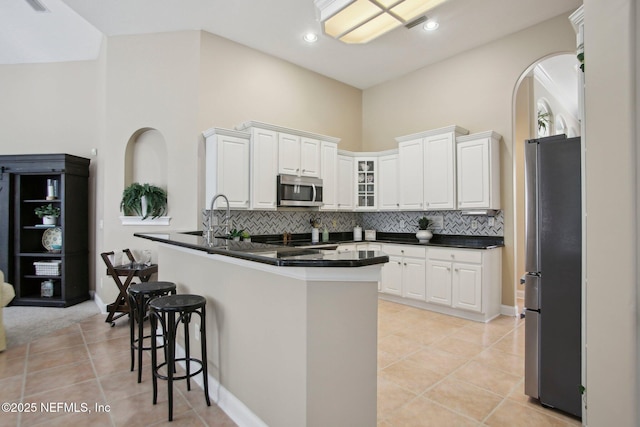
(424, 235)
(49, 220)
(144, 205)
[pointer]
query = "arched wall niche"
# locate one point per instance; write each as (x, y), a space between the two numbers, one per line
(146, 158)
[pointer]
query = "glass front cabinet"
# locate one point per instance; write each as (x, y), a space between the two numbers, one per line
(366, 172)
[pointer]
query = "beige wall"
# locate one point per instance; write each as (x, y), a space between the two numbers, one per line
(611, 73)
(474, 90)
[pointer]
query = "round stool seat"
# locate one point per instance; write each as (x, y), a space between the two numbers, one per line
(179, 302)
(151, 287)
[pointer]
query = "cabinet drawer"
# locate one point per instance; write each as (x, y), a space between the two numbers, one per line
(404, 250)
(456, 255)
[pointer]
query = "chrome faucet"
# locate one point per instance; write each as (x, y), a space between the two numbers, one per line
(209, 231)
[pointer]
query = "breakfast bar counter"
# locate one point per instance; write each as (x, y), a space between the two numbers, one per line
(291, 332)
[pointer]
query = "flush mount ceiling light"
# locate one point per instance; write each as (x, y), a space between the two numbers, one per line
(431, 25)
(360, 21)
(310, 38)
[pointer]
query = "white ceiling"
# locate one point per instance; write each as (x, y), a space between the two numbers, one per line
(72, 29)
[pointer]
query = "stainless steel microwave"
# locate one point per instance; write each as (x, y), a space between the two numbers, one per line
(299, 191)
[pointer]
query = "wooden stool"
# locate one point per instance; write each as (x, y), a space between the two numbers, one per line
(139, 296)
(164, 310)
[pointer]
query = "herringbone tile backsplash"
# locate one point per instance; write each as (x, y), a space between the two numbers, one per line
(297, 221)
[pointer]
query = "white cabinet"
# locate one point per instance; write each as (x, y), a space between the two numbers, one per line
(388, 182)
(366, 183)
(329, 175)
(298, 155)
(478, 171)
(404, 274)
(264, 170)
(309, 157)
(427, 165)
(227, 167)
(345, 182)
(465, 279)
(288, 154)
(411, 174)
(439, 171)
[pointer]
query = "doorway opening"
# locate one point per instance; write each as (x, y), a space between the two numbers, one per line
(545, 103)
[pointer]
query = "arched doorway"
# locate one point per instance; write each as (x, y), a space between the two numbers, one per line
(545, 102)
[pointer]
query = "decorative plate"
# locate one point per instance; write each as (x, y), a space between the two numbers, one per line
(52, 236)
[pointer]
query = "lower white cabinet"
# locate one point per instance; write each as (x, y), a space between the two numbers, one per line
(465, 279)
(460, 282)
(404, 274)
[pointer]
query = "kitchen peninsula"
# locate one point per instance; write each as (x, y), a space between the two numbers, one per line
(292, 332)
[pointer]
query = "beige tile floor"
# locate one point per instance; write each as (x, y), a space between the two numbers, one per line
(433, 370)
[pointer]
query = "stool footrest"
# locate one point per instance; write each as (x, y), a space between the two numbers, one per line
(180, 377)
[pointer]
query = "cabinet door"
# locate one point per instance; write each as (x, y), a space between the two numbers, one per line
(309, 157)
(388, 182)
(413, 278)
(345, 182)
(473, 174)
(439, 172)
(467, 287)
(366, 183)
(329, 175)
(288, 154)
(411, 174)
(391, 276)
(233, 171)
(439, 282)
(264, 169)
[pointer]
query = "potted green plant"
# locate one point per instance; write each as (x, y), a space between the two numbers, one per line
(235, 234)
(245, 236)
(424, 234)
(144, 200)
(48, 213)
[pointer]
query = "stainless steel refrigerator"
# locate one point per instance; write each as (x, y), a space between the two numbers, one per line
(553, 228)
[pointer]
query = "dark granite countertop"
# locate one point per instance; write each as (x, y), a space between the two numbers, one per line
(298, 251)
(267, 253)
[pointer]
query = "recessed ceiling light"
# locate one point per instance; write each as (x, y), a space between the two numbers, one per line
(310, 38)
(431, 25)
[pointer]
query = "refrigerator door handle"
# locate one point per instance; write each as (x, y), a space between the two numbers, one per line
(532, 291)
(531, 262)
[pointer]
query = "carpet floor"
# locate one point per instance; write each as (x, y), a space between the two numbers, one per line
(25, 324)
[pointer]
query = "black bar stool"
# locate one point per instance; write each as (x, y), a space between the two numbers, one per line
(139, 296)
(164, 310)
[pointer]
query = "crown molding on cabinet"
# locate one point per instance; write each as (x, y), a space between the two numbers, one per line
(252, 123)
(225, 132)
(459, 131)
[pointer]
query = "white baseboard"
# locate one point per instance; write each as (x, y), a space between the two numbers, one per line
(231, 405)
(101, 305)
(508, 310)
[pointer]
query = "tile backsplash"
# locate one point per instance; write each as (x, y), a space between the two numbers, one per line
(297, 221)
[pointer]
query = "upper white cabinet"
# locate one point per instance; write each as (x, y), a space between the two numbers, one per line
(298, 155)
(227, 167)
(440, 171)
(345, 182)
(478, 171)
(427, 169)
(309, 157)
(411, 174)
(366, 183)
(264, 161)
(388, 182)
(329, 175)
